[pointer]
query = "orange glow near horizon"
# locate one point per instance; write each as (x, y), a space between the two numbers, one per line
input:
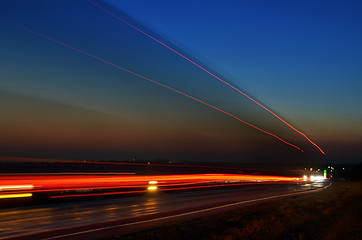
(152, 81)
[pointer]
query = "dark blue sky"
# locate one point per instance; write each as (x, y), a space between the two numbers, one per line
(302, 59)
(305, 50)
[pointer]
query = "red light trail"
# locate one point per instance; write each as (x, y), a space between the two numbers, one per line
(150, 80)
(60, 186)
(213, 75)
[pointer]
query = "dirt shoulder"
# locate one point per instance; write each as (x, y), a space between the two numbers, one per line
(335, 213)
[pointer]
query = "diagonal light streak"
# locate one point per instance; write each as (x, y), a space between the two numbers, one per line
(205, 70)
(148, 79)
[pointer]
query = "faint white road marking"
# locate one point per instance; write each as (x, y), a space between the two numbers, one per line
(187, 213)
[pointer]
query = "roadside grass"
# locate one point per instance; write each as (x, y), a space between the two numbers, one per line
(335, 213)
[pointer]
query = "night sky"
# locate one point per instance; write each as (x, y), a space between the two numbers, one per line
(303, 60)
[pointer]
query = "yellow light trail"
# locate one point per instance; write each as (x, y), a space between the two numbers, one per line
(16, 195)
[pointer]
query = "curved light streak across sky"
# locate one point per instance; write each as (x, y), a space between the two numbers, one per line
(150, 80)
(205, 70)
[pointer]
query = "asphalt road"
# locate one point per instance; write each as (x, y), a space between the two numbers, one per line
(104, 218)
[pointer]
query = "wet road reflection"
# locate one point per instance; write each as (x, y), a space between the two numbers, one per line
(26, 220)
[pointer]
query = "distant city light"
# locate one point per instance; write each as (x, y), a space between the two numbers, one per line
(316, 178)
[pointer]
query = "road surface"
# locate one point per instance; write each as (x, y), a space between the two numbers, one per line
(104, 218)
